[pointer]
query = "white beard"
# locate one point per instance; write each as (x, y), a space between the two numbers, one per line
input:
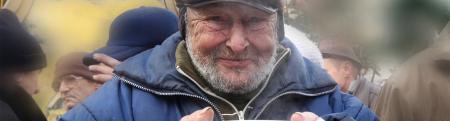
(207, 68)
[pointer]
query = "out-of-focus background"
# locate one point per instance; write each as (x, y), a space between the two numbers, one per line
(389, 30)
(65, 26)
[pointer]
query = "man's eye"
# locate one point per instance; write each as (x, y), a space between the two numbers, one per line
(215, 18)
(255, 20)
(216, 23)
(256, 23)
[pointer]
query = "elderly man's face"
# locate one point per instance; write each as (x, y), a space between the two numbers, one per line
(74, 89)
(232, 45)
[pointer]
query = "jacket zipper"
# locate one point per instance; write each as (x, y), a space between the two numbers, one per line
(241, 114)
(286, 93)
(170, 94)
(267, 81)
(218, 97)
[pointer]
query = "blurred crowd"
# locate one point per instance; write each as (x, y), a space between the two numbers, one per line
(204, 60)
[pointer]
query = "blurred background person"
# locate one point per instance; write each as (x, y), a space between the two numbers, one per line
(342, 62)
(418, 90)
(73, 80)
(73, 83)
(20, 64)
(69, 26)
(131, 32)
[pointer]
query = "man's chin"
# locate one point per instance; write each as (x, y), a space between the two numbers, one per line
(234, 63)
(236, 75)
(239, 85)
(69, 103)
(236, 71)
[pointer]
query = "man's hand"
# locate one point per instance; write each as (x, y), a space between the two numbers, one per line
(305, 116)
(105, 59)
(205, 114)
(103, 71)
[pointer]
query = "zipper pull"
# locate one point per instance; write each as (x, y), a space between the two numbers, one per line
(241, 115)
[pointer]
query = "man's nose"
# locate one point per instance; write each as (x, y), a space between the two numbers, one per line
(238, 41)
(63, 89)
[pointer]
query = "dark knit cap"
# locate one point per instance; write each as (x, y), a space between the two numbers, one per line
(19, 51)
(271, 6)
(69, 64)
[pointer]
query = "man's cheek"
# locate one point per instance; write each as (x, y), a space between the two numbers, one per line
(263, 40)
(208, 41)
(263, 45)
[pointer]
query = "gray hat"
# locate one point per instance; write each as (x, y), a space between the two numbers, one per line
(69, 64)
(333, 48)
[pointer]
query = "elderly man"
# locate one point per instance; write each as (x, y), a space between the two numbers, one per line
(73, 80)
(344, 66)
(228, 63)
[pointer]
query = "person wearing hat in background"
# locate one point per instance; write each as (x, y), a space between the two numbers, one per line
(21, 60)
(344, 66)
(73, 80)
(230, 61)
(131, 32)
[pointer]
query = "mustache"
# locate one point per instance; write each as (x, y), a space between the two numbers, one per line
(224, 52)
(69, 96)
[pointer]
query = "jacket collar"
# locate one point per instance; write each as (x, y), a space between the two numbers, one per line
(185, 66)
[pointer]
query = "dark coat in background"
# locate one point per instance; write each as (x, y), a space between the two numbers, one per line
(419, 90)
(19, 52)
(16, 104)
(365, 90)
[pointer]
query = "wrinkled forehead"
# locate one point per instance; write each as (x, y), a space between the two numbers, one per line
(230, 9)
